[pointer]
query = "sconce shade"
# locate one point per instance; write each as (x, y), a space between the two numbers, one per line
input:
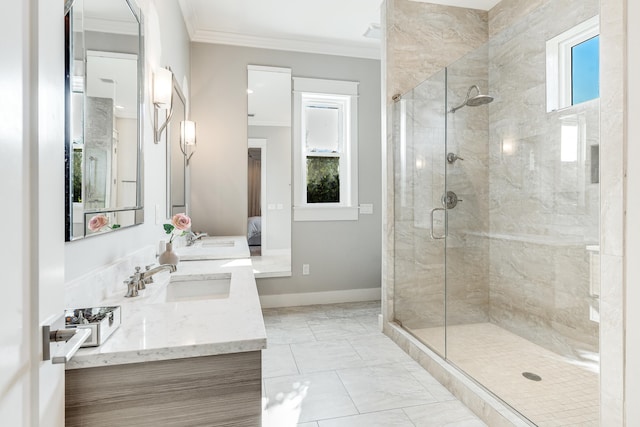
(188, 132)
(162, 88)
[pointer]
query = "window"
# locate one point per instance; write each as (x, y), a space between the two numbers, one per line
(573, 72)
(325, 150)
(585, 70)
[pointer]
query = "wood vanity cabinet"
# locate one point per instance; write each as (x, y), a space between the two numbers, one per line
(221, 390)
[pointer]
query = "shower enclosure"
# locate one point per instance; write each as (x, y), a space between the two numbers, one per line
(496, 227)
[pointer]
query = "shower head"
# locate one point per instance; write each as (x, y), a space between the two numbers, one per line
(478, 99)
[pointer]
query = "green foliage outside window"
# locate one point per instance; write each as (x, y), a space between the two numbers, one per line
(323, 179)
(76, 188)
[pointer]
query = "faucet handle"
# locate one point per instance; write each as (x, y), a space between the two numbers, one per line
(132, 288)
(150, 278)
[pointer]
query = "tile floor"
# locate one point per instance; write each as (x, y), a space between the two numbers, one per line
(567, 395)
(330, 366)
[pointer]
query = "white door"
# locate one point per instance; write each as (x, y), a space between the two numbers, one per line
(32, 212)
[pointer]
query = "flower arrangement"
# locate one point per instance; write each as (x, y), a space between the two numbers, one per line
(180, 224)
(100, 221)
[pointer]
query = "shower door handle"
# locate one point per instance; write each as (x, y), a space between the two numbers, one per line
(433, 235)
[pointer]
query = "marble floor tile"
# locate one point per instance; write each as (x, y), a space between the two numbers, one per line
(325, 356)
(379, 348)
(392, 418)
(336, 329)
(289, 333)
(278, 361)
(352, 309)
(376, 388)
(443, 414)
(350, 373)
(301, 398)
(369, 322)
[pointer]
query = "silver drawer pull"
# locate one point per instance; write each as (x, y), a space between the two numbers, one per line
(56, 332)
(81, 335)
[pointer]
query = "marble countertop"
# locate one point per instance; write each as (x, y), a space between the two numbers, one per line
(153, 330)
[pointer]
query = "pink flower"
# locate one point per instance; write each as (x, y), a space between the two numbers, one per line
(97, 222)
(181, 221)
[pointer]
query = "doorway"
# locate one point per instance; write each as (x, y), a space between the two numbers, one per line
(257, 196)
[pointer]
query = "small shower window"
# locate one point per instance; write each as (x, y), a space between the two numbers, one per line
(573, 73)
(585, 70)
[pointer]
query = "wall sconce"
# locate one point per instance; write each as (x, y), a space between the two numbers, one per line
(162, 99)
(188, 138)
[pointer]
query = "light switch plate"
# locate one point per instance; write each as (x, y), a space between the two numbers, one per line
(366, 208)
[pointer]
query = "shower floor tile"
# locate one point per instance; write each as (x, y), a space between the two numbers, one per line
(566, 395)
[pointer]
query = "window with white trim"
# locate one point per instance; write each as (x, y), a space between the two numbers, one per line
(573, 72)
(325, 150)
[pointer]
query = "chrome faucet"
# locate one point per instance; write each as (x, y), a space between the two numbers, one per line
(193, 237)
(140, 278)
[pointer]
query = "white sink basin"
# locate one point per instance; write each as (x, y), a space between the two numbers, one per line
(215, 247)
(184, 289)
(218, 244)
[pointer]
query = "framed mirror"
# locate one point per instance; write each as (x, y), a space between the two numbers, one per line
(177, 180)
(269, 170)
(103, 130)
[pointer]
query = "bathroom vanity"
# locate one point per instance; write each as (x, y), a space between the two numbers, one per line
(188, 352)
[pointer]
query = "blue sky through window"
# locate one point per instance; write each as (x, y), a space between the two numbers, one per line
(585, 71)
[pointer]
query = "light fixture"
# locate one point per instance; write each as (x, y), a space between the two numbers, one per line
(162, 99)
(373, 32)
(188, 138)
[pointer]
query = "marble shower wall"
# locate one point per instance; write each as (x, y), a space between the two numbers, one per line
(423, 38)
(544, 209)
(467, 253)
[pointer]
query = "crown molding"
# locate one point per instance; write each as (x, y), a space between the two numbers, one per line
(468, 4)
(323, 47)
(318, 46)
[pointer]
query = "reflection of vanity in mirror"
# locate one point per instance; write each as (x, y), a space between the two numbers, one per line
(269, 170)
(103, 132)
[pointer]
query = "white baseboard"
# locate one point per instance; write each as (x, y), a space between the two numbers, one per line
(312, 298)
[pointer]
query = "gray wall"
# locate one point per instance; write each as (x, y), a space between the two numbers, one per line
(342, 255)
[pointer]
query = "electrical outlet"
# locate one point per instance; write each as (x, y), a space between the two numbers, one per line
(305, 269)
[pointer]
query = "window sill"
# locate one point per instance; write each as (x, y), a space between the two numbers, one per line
(325, 213)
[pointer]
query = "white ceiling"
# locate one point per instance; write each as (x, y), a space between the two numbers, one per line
(327, 26)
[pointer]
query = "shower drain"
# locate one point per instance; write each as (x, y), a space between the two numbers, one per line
(531, 376)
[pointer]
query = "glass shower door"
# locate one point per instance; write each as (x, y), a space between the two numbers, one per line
(420, 225)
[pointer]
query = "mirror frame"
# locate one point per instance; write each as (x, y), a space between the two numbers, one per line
(138, 209)
(177, 90)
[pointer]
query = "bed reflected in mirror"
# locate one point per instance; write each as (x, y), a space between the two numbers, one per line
(269, 170)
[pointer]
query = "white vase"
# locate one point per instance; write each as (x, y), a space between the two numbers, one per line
(169, 256)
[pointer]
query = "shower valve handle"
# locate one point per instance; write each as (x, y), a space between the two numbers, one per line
(450, 200)
(452, 157)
